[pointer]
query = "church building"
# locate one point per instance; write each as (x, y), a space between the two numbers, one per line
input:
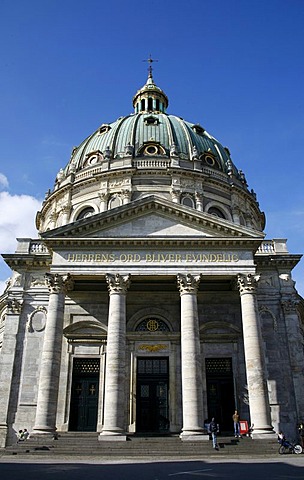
(150, 300)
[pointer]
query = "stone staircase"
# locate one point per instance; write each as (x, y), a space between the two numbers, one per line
(87, 445)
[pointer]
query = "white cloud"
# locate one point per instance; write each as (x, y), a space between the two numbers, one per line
(3, 181)
(17, 219)
(2, 286)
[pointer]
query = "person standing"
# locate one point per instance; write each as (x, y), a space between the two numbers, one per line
(213, 431)
(301, 434)
(236, 424)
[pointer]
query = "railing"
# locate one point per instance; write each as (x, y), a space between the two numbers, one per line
(273, 247)
(38, 248)
(266, 247)
(152, 163)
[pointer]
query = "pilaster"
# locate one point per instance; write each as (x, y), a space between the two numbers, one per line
(8, 352)
(296, 355)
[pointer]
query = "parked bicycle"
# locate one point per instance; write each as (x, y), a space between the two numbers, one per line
(288, 447)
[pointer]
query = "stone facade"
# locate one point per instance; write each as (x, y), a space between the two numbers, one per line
(151, 301)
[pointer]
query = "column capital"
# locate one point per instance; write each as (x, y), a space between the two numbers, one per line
(58, 283)
(103, 196)
(118, 283)
(67, 208)
(188, 283)
(247, 283)
(289, 306)
(14, 305)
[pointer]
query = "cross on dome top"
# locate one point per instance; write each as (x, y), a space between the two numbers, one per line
(150, 61)
(150, 98)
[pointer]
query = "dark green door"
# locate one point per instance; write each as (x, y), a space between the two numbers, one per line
(84, 396)
(220, 391)
(152, 408)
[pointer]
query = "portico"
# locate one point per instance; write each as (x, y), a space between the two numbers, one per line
(169, 283)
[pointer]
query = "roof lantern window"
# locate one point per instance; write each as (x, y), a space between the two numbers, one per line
(150, 98)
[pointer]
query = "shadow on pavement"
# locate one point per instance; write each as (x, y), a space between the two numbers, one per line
(268, 469)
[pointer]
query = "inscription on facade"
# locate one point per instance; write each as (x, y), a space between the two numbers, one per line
(152, 257)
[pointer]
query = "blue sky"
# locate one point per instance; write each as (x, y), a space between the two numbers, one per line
(234, 66)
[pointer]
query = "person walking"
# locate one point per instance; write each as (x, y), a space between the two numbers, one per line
(236, 424)
(213, 431)
(301, 434)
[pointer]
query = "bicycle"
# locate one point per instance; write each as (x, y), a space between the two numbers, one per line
(287, 447)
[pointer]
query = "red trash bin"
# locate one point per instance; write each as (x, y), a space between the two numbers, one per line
(243, 427)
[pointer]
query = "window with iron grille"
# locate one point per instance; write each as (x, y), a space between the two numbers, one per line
(86, 365)
(218, 366)
(152, 325)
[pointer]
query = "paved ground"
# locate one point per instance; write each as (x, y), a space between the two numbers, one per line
(275, 468)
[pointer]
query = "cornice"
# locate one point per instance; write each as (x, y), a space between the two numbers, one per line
(27, 260)
(181, 242)
(286, 260)
(152, 204)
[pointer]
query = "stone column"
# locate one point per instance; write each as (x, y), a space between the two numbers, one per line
(126, 196)
(45, 422)
(192, 389)
(66, 211)
(199, 201)
(104, 197)
(114, 401)
(8, 353)
(254, 357)
(295, 347)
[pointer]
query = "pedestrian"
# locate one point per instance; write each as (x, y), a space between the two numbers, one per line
(236, 424)
(281, 438)
(26, 434)
(20, 436)
(213, 431)
(301, 433)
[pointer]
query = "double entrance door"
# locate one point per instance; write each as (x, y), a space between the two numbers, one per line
(84, 396)
(152, 406)
(220, 391)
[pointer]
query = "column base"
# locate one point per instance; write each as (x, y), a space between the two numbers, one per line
(3, 434)
(263, 434)
(112, 436)
(194, 436)
(43, 430)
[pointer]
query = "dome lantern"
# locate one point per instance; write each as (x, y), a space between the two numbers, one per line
(150, 98)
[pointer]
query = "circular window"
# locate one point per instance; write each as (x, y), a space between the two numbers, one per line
(92, 160)
(151, 150)
(210, 161)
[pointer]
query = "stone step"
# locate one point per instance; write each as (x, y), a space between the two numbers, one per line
(87, 444)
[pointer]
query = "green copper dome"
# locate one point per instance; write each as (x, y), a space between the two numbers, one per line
(151, 131)
(150, 153)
